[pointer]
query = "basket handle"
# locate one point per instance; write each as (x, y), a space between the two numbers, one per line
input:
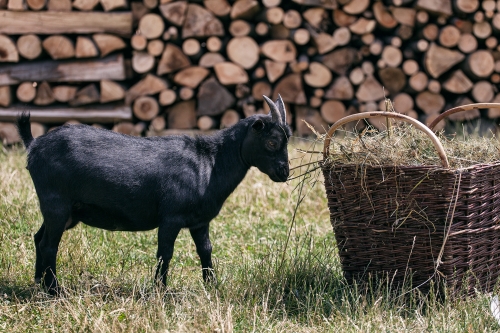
(399, 116)
(461, 108)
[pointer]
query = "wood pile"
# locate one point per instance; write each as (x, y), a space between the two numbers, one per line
(159, 66)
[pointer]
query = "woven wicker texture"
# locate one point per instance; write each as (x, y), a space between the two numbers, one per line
(416, 223)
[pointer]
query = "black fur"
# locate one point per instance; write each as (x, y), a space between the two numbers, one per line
(119, 182)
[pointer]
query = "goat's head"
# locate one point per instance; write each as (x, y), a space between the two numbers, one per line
(265, 145)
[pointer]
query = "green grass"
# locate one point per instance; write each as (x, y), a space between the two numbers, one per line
(264, 282)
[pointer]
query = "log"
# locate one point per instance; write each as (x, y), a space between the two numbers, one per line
(449, 36)
(213, 98)
(44, 95)
(158, 124)
(430, 103)
(271, 3)
(17, 5)
(87, 95)
(458, 83)
(418, 81)
(96, 114)
(64, 93)
(167, 97)
(324, 42)
(403, 103)
(279, 50)
(291, 90)
(466, 6)
(404, 16)
(149, 85)
(439, 60)
(175, 12)
(467, 43)
(464, 116)
(5, 96)
(434, 86)
(482, 30)
(292, 19)
(328, 4)
(8, 50)
(191, 47)
(261, 29)
(272, 15)
(85, 48)
(111, 91)
(405, 32)
(109, 5)
(274, 70)
(151, 26)
(494, 112)
(36, 4)
(339, 61)
(370, 90)
(51, 22)
(241, 28)
(111, 68)
(440, 7)
(341, 19)
(219, 8)
(26, 92)
(261, 88)
(201, 23)
(356, 7)
(186, 93)
(155, 47)
(242, 91)
(191, 77)
(244, 9)
(229, 118)
(206, 123)
(142, 62)
(244, 51)
(376, 47)
(214, 44)
(229, 73)
(315, 102)
(9, 134)
(319, 75)
(301, 36)
(362, 26)
(124, 127)
(392, 56)
(480, 64)
(59, 47)
(107, 43)
(209, 59)
(316, 16)
(138, 42)
(383, 16)
(29, 46)
(483, 92)
(59, 5)
(85, 5)
(393, 79)
(410, 67)
(312, 117)
(172, 60)
(491, 42)
(182, 115)
(37, 129)
(138, 11)
(146, 108)
(340, 89)
(332, 110)
(279, 31)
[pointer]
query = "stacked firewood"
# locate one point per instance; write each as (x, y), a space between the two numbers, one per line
(161, 66)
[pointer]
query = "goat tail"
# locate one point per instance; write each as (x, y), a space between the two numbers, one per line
(24, 128)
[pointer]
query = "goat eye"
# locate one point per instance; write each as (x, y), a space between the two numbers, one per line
(271, 144)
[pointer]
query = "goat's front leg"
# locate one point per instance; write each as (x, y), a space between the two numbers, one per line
(204, 248)
(167, 233)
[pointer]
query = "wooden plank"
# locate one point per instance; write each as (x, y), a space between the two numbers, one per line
(89, 114)
(110, 68)
(50, 22)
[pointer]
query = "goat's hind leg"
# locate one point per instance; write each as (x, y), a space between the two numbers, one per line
(39, 260)
(55, 214)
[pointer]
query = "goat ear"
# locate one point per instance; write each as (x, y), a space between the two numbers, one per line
(258, 125)
(281, 108)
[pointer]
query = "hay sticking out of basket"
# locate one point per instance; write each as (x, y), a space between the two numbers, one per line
(404, 145)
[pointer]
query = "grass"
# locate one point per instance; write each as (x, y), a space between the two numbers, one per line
(265, 283)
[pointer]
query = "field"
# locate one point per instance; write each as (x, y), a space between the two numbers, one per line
(275, 273)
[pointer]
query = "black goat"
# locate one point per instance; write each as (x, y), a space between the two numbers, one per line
(119, 182)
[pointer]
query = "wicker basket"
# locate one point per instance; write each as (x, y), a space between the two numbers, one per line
(416, 223)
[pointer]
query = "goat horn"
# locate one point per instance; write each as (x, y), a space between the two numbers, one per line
(281, 108)
(274, 112)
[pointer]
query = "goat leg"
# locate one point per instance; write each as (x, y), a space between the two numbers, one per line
(166, 239)
(201, 238)
(39, 260)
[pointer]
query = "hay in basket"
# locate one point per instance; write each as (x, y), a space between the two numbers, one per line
(413, 206)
